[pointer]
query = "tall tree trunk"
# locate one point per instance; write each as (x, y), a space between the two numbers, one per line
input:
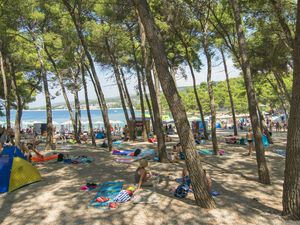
(157, 87)
(229, 93)
(264, 126)
(138, 73)
(120, 86)
(104, 110)
(62, 86)
(278, 9)
(279, 95)
(127, 95)
(211, 97)
(6, 92)
(263, 172)
(291, 186)
(196, 94)
(87, 104)
(202, 196)
(77, 116)
(147, 99)
(157, 125)
(282, 86)
(49, 142)
(18, 111)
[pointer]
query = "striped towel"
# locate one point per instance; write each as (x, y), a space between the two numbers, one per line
(123, 196)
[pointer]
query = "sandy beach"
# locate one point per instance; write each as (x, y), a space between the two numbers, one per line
(57, 199)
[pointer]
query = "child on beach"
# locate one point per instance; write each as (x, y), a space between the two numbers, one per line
(142, 176)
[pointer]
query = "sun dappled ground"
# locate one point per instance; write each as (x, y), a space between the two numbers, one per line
(57, 199)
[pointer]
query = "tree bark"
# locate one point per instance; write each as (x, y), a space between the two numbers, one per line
(157, 87)
(127, 95)
(87, 104)
(282, 86)
(291, 186)
(278, 9)
(6, 92)
(229, 93)
(202, 196)
(104, 110)
(157, 125)
(147, 99)
(138, 73)
(18, 111)
(279, 95)
(196, 93)
(63, 89)
(120, 87)
(263, 172)
(211, 96)
(77, 115)
(49, 142)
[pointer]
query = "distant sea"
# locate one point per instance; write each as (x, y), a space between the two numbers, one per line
(62, 116)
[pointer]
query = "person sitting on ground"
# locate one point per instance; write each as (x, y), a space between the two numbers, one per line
(250, 141)
(104, 144)
(62, 133)
(186, 179)
(83, 138)
(142, 176)
(168, 138)
(26, 148)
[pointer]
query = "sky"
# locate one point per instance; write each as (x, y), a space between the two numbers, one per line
(110, 88)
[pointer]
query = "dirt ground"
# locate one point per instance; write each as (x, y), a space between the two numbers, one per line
(57, 199)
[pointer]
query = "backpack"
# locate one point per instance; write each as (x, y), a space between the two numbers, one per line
(181, 191)
(60, 157)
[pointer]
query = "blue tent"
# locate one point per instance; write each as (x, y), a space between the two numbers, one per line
(13, 151)
(15, 170)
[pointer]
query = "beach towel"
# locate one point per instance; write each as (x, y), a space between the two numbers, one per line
(146, 153)
(116, 143)
(122, 152)
(107, 190)
(44, 158)
(280, 152)
(210, 152)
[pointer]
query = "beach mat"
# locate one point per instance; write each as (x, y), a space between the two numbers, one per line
(210, 152)
(44, 158)
(122, 152)
(147, 153)
(116, 143)
(108, 190)
(213, 193)
(280, 152)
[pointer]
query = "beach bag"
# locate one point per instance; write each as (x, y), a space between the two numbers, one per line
(181, 191)
(60, 157)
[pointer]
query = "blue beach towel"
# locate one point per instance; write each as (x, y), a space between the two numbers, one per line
(108, 190)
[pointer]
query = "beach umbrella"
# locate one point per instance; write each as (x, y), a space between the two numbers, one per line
(99, 122)
(115, 121)
(69, 122)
